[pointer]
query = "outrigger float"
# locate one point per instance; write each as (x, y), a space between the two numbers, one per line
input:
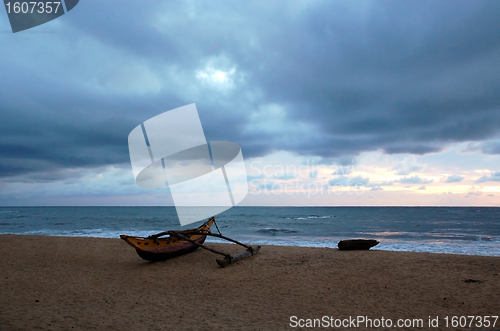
(157, 247)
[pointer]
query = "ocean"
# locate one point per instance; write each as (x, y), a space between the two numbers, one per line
(455, 230)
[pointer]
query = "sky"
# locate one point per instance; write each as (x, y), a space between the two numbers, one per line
(334, 103)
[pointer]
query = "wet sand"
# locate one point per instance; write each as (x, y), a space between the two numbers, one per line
(61, 283)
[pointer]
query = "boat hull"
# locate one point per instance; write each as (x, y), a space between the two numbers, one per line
(178, 250)
(157, 248)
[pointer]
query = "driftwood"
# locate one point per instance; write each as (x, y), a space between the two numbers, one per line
(357, 244)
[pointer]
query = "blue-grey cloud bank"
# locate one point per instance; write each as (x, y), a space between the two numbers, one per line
(330, 79)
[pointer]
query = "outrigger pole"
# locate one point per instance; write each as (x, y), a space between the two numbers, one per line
(227, 260)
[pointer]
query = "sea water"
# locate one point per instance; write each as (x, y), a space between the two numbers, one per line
(456, 230)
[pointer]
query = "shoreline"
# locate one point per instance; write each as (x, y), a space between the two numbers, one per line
(304, 245)
(60, 283)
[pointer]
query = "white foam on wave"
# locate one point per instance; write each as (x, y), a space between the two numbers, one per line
(304, 218)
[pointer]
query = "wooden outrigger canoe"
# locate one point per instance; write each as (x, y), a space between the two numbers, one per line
(154, 248)
(180, 242)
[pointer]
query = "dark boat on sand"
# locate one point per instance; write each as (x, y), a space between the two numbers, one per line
(157, 247)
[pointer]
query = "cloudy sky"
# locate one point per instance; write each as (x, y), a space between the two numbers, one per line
(332, 102)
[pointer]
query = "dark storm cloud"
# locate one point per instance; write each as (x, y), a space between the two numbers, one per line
(403, 77)
(37, 140)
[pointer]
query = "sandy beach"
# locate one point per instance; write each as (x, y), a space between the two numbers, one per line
(61, 283)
